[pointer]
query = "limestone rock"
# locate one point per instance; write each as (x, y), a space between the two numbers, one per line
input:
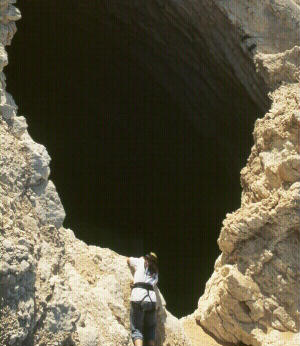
(256, 283)
(280, 67)
(56, 290)
(253, 294)
(272, 25)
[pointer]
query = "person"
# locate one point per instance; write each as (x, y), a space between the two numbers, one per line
(143, 299)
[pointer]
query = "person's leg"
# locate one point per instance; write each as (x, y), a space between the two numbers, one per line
(150, 328)
(136, 324)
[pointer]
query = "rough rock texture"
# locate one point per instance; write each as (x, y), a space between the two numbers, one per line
(253, 294)
(256, 283)
(56, 290)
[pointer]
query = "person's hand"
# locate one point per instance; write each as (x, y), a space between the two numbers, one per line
(131, 283)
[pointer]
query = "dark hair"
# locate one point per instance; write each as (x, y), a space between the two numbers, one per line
(152, 264)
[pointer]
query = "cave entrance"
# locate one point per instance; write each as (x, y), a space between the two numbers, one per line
(134, 173)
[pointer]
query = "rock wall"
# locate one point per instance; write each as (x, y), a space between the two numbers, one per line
(56, 290)
(253, 294)
(255, 286)
(190, 47)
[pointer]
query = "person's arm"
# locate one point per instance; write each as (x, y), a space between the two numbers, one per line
(129, 264)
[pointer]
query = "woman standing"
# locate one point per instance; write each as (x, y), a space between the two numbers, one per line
(143, 299)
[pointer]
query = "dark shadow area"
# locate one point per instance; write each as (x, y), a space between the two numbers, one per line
(132, 172)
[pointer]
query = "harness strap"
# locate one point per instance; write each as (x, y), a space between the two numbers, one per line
(144, 285)
(147, 287)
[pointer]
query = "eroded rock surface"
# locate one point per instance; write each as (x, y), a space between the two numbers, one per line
(255, 286)
(253, 294)
(56, 290)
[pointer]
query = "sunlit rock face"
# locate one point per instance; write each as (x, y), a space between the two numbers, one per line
(255, 287)
(56, 290)
(253, 294)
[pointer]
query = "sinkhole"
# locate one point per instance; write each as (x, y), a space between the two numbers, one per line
(147, 123)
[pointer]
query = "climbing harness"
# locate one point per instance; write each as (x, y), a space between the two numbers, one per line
(146, 306)
(144, 285)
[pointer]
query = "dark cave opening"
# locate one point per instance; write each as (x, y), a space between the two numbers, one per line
(133, 172)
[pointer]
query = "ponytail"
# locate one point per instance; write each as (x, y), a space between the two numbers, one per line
(152, 265)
